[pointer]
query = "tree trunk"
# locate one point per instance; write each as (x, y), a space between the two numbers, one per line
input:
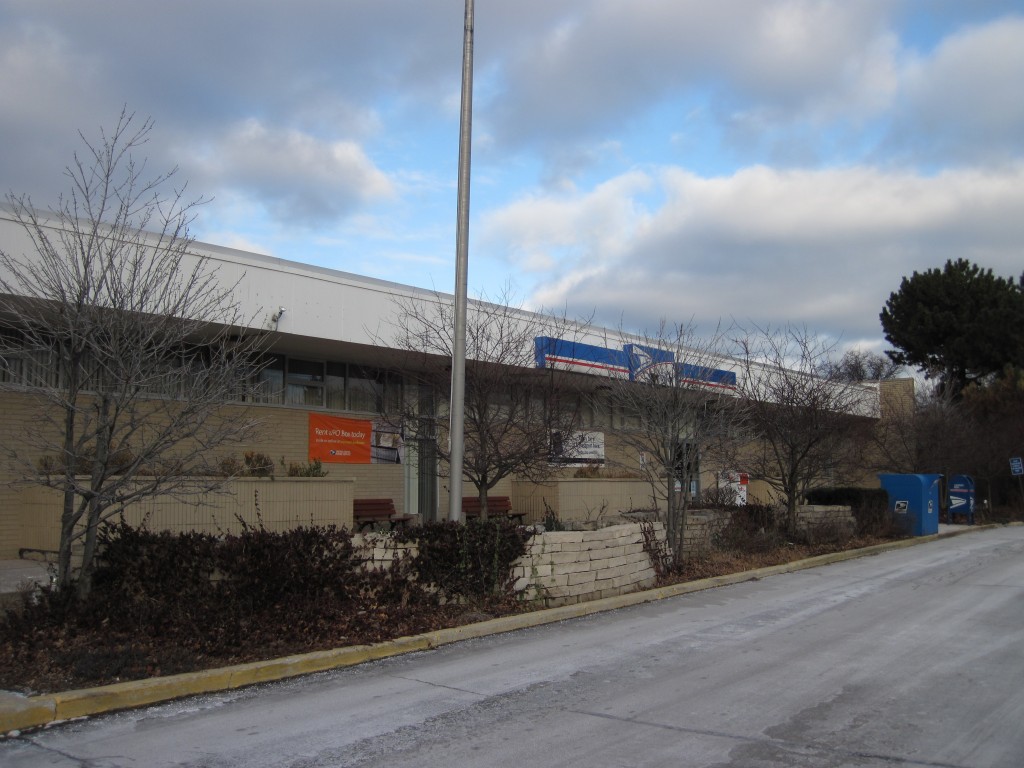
(792, 496)
(96, 505)
(83, 585)
(672, 533)
(67, 515)
(482, 495)
(67, 533)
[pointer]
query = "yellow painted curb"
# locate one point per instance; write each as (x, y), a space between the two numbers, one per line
(21, 712)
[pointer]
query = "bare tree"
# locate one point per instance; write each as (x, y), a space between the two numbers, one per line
(863, 365)
(512, 408)
(676, 411)
(127, 340)
(807, 423)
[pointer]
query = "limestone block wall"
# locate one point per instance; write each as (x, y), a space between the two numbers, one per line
(564, 567)
(559, 567)
(702, 529)
(814, 515)
(378, 550)
(704, 525)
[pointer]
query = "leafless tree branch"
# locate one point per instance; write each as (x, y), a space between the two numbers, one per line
(126, 337)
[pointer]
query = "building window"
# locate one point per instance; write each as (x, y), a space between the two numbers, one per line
(373, 390)
(26, 367)
(270, 381)
(335, 386)
(12, 370)
(305, 383)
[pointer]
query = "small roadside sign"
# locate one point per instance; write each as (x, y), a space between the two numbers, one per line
(1017, 466)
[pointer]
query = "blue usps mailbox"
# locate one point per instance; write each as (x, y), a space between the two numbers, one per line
(914, 501)
(960, 496)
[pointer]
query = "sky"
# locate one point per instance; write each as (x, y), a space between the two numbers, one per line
(758, 162)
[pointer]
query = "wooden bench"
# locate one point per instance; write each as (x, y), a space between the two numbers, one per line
(497, 506)
(367, 513)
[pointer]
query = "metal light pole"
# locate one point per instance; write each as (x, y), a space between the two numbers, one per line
(456, 432)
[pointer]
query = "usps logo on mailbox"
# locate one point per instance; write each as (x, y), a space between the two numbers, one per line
(901, 507)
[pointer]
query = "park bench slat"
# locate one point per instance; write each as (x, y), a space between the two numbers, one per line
(497, 506)
(368, 512)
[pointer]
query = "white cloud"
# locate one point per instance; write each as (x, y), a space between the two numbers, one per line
(47, 93)
(774, 159)
(963, 101)
(811, 57)
(537, 232)
(299, 177)
(606, 66)
(818, 247)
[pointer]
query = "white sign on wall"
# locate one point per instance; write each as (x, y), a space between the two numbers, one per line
(737, 483)
(581, 450)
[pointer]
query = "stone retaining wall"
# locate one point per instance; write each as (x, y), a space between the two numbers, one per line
(559, 567)
(816, 515)
(563, 567)
(704, 525)
(378, 550)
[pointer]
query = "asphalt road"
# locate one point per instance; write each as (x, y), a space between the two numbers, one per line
(909, 658)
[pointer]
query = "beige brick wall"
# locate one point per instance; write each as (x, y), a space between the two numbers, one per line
(280, 504)
(283, 435)
(579, 499)
(19, 415)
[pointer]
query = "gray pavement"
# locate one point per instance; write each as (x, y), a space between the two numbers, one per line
(908, 658)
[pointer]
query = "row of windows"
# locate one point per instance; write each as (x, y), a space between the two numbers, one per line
(328, 384)
(599, 412)
(283, 381)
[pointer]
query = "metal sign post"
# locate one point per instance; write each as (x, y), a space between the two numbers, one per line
(457, 424)
(1017, 470)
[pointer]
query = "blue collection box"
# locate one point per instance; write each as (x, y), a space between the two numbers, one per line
(914, 501)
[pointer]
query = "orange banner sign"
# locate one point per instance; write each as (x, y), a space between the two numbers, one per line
(335, 440)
